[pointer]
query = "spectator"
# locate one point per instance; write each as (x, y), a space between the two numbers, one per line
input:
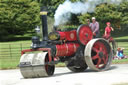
(120, 54)
(88, 22)
(95, 27)
(108, 30)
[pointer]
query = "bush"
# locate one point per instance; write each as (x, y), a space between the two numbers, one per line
(18, 16)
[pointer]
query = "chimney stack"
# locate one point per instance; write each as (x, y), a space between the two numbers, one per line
(43, 14)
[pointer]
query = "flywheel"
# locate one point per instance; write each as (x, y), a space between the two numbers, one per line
(84, 34)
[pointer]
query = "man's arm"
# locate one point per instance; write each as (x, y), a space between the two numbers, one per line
(112, 29)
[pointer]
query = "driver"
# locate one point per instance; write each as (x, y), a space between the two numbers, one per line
(95, 27)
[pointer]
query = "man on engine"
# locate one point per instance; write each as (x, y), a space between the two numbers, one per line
(95, 27)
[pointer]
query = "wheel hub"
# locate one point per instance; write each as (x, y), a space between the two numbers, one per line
(101, 54)
(86, 34)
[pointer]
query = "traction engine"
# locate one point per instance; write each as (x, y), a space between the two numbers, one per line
(76, 48)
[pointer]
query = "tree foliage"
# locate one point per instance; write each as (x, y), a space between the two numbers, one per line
(123, 8)
(18, 16)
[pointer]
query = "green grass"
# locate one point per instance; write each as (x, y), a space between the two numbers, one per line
(122, 61)
(60, 65)
(121, 84)
(10, 53)
(8, 63)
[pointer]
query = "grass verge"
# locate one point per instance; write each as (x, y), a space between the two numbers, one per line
(121, 84)
(9, 63)
(121, 61)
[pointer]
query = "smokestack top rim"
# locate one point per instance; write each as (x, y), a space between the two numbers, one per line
(43, 13)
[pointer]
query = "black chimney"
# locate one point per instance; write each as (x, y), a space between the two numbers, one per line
(43, 14)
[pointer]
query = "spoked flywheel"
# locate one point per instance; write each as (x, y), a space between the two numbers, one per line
(84, 34)
(35, 65)
(98, 54)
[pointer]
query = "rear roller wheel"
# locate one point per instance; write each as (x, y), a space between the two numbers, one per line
(35, 65)
(78, 68)
(98, 54)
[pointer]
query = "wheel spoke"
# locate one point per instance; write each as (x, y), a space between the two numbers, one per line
(100, 49)
(104, 52)
(94, 49)
(95, 57)
(104, 60)
(99, 61)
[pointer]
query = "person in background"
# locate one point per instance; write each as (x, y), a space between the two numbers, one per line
(120, 54)
(88, 22)
(108, 29)
(95, 27)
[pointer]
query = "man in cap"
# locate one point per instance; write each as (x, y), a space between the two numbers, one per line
(95, 27)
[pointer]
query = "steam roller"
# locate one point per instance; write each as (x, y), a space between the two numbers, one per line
(76, 48)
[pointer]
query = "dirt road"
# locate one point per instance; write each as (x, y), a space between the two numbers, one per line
(116, 74)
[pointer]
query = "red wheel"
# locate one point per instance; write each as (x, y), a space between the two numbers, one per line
(49, 68)
(98, 54)
(84, 34)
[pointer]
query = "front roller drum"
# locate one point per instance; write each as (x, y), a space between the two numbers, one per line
(35, 65)
(98, 54)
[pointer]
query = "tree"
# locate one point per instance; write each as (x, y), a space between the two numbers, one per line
(18, 16)
(123, 8)
(108, 13)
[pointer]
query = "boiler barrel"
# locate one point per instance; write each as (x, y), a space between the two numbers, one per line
(68, 49)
